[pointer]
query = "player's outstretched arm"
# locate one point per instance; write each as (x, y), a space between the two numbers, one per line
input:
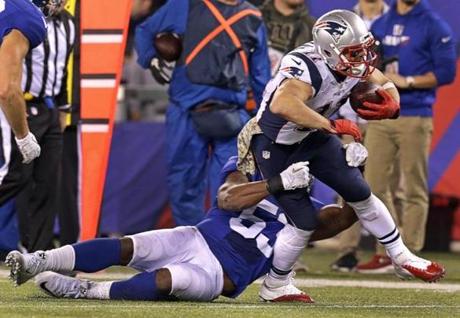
(237, 193)
(12, 52)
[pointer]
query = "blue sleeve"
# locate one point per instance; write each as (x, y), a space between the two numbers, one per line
(171, 17)
(259, 65)
(229, 167)
(443, 51)
(25, 18)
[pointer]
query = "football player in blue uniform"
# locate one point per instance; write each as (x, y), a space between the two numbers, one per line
(22, 27)
(221, 255)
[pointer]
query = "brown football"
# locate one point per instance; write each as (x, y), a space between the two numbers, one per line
(168, 45)
(364, 92)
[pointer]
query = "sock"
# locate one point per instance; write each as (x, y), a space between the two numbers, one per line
(95, 255)
(60, 259)
(99, 290)
(139, 287)
(376, 218)
(290, 243)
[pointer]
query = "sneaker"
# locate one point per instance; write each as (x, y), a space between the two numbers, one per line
(379, 264)
(408, 265)
(25, 266)
(62, 286)
(285, 293)
(345, 263)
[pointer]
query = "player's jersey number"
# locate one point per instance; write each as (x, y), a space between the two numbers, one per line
(252, 230)
(2, 5)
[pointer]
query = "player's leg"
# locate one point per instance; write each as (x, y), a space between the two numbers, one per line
(380, 172)
(175, 263)
(181, 281)
(271, 159)
(151, 286)
(373, 214)
(187, 154)
(90, 256)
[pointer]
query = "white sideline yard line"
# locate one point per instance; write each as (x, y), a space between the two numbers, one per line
(320, 282)
(104, 304)
(308, 283)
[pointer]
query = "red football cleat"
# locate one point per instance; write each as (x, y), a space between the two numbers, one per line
(408, 265)
(302, 298)
(283, 293)
(431, 273)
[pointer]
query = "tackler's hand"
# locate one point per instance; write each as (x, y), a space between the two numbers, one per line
(355, 154)
(293, 177)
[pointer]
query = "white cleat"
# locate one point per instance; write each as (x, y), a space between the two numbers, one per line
(25, 266)
(285, 293)
(408, 265)
(61, 286)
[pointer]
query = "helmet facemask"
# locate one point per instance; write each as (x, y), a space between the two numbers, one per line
(49, 7)
(357, 60)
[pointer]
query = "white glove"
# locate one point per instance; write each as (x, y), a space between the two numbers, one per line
(296, 176)
(355, 153)
(29, 148)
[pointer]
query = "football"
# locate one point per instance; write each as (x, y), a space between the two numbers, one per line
(168, 46)
(364, 92)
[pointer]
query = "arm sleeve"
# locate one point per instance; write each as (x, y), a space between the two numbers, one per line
(171, 17)
(442, 50)
(260, 65)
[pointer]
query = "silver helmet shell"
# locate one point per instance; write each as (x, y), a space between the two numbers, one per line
(343, 41)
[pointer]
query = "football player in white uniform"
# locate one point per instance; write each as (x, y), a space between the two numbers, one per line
(293, 124)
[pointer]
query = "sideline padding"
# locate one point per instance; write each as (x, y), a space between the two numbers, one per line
(102, 53)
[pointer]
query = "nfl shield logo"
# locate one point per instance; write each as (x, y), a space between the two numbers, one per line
(266, 154)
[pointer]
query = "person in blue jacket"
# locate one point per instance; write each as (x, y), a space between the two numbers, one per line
(418, 56)
(224, 54)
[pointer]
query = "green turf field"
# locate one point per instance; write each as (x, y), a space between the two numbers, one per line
(361, 298)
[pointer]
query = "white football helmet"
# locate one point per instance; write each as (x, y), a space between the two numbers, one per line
(344, 42)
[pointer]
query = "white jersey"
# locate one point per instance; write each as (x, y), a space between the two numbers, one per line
(329, 93)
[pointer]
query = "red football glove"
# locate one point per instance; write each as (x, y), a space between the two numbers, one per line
(388, 109)
(346, 127)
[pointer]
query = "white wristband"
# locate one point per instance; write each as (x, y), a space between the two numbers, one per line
(388, 85)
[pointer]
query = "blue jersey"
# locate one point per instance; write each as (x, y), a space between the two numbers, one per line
(25, 17)
(243, 241)
(421, 42)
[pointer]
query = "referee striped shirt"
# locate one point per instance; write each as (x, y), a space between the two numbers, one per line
(45, 67)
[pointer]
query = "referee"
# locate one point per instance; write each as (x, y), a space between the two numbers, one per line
(35, 186)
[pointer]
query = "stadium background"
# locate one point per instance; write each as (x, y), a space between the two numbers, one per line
(136, 178)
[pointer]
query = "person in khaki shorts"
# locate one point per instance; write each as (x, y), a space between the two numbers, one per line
(420, 54)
